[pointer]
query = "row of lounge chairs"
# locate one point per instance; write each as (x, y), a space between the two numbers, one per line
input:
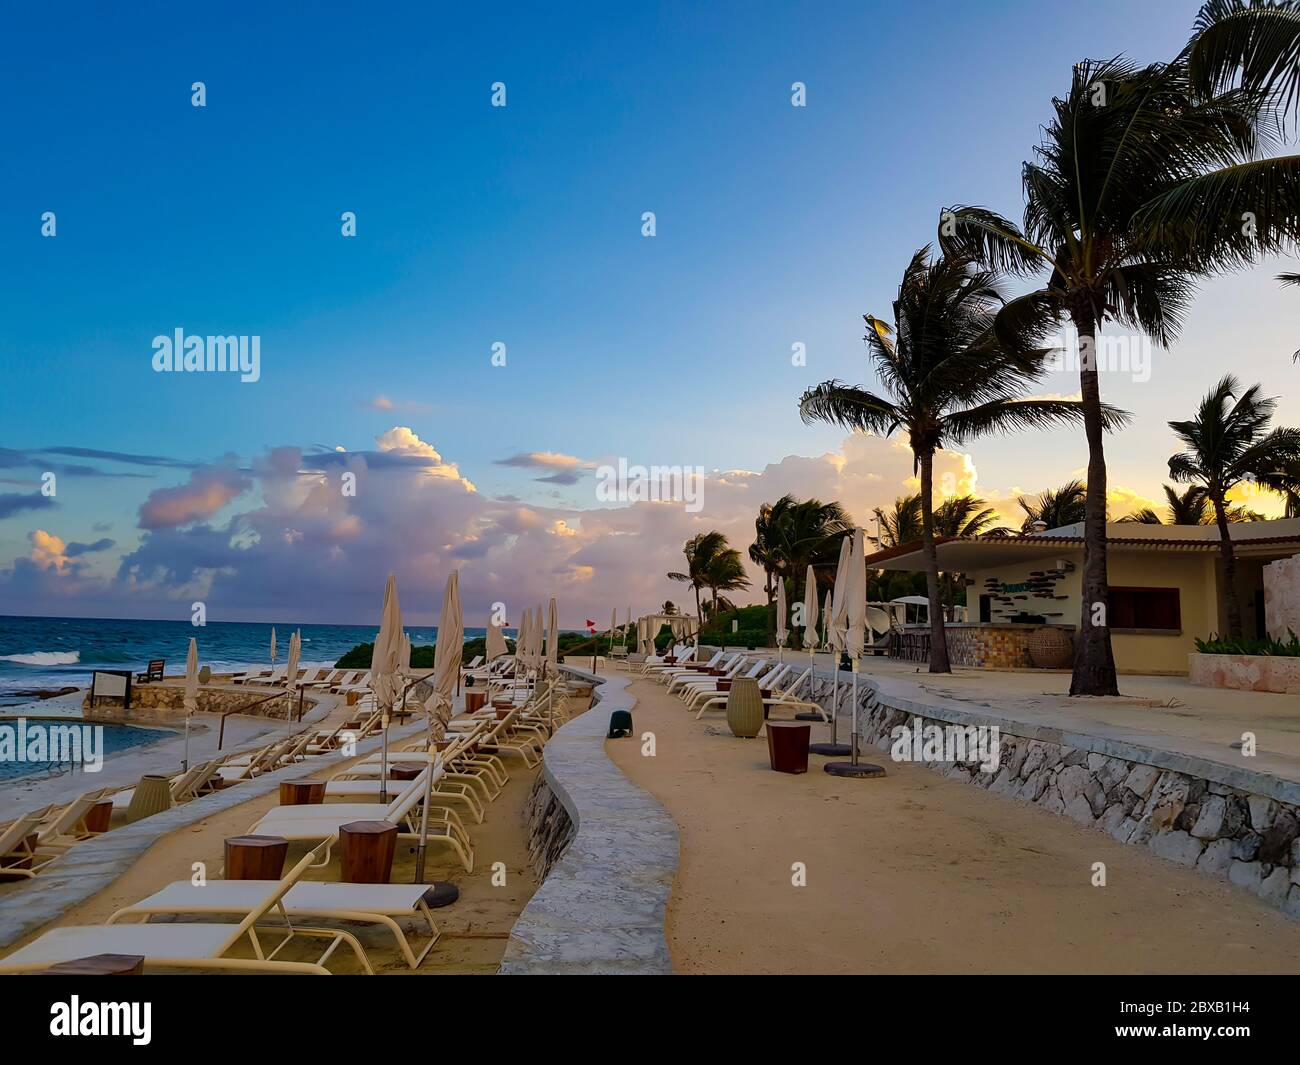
(699, 689)
(467, 769)
(34, 840)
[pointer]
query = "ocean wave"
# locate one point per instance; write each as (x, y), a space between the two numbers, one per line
(44, 658)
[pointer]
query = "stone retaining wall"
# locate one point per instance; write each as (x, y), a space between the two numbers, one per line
(1252, 673)
(1189, 817)
(164, 702)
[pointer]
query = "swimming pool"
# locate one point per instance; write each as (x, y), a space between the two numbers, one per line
(45, 745)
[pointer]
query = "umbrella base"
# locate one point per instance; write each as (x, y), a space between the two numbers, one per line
(441, 894)
(848, 769)
(830, 750)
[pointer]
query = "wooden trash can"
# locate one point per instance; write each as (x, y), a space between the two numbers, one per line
(98, 965)
(255, 857)
(99, 816)
(787, 746)
(302, 792)
(474, 701)
(366, 850)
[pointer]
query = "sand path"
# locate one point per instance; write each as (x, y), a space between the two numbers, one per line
(915, 873)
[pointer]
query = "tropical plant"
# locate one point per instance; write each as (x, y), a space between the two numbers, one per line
(763, 553)
(725, 572)
(1227, 443)
(794, 534)
(901, 525)
(1064, 506)
(1147, 178)
(1189, 507)
(700, 551)
(1261, 645)
(948, 379)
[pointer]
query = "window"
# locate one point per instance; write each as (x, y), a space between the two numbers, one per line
(1145, 608)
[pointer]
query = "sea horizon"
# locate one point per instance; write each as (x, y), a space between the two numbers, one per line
(46, 653)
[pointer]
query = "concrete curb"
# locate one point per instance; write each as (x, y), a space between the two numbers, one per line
(601, 911)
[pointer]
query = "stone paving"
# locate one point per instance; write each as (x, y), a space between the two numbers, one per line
(601, 910)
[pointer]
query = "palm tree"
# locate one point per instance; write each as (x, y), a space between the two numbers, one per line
(949, 378)
(793, 534)
(725, 572)
(1147, 179)
(700, 551)
(762, 552)
(1189, 507)
(899, 526)
(1229, 442)
(959, 516)
(1065, 506)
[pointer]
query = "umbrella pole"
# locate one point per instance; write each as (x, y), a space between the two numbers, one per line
(185, 763)
(854, 768)
(424, 825)
(383, 761)
(834, 748)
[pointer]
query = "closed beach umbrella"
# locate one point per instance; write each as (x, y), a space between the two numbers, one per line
(384, 665)
(272, 645)
(539, 637)
(826, 618)
(521, 649)
(810, 611)
(291, 671)
(782, 633)
(856, 596)
(446, 674)
(191, 699)
(495, 645)
(553, 637)
(291, 664)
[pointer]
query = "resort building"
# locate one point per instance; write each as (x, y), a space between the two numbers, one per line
(1166, 590)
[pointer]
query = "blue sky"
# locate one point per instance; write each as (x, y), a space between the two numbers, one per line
(522, 225)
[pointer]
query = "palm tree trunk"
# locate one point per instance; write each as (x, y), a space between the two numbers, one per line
(938, 635)
(771, 608)
(1229, 554)
(698, 616)
(1094, 660)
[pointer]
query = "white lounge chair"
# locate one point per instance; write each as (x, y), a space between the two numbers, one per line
(380, 904)
(190, 946)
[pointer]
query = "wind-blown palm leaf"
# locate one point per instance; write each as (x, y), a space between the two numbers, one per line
(1247, 43)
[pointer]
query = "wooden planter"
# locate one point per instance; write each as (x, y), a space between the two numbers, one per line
(744, 708)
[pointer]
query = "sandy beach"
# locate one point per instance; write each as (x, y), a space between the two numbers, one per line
(914, 873)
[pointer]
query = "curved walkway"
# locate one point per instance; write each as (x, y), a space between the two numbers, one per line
(601, 910)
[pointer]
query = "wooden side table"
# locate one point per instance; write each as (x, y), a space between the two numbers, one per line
(255, 857)
(474, 701)
(302, 792)
(99, 816)
(787, 746)
(404, 771)
(366, 850)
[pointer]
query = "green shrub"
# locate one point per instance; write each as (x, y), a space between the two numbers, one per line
(1263, 645)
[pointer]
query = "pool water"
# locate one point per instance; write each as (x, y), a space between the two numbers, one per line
(116, 739)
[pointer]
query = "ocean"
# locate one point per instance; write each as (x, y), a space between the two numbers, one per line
(61, 652)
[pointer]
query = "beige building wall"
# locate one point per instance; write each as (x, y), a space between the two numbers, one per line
(1135, 652)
